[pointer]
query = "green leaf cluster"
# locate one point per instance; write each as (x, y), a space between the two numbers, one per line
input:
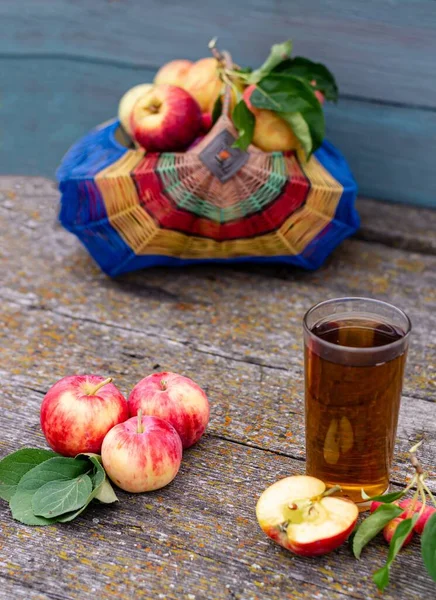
(287, 86)
(43, 487)
(373, 524)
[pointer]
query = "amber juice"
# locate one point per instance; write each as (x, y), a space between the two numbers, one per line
(354, 365)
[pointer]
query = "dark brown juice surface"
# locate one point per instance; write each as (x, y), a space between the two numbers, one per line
(361, 333)
(352, 411)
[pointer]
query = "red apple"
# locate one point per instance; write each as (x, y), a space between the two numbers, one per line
(318, 94)
(78, 411)
(206, 122)
(165, 118)
(374, 506)
(295, 514)
(175, 398)
(142, 454)
(390, 528)
(427, 513)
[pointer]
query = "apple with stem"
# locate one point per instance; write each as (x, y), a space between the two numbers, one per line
(175, 398)
(302, 516)
(78, 411)
(128, 101)
(165, 118)
(142, 454)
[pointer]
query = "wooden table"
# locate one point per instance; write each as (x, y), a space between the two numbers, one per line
(237, 332)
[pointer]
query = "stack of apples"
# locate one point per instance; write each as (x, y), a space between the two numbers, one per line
(175, 111)
(140, 439)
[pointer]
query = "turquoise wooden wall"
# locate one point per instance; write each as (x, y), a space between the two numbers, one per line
(65, 63)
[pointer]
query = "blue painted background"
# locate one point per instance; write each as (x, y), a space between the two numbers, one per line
(64, 65)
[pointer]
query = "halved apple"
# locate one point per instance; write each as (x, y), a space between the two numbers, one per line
(297, 514)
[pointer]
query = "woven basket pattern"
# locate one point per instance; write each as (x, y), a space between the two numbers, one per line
(134, 210)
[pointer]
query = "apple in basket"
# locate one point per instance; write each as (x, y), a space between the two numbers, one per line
(78, 411)
(299, 514)
(173, 72)
(166, 118)
(271, 133)
(128, 101)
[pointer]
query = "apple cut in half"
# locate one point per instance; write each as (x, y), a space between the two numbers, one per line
(297, 513)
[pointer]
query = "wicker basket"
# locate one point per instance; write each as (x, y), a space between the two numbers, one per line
(213, 203)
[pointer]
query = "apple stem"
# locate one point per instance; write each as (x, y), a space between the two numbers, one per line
(333, 490)
(140, 428)
(95, 389)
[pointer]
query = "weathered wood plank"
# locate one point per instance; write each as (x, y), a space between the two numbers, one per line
(50, 103)
(255, 405)
(377, 49)
(403, 227)
(198, 536)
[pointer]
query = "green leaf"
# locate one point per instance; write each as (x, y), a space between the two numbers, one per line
(428, 546)
(244, 121)
(17, 464)
(102, 489)
(311, 71)
(284, 93)
(294, 101)
(217, 109)
(385, 498)
(105, 493)
(381, 577)
(301, 130)
(373, 524)
(56, 498)
(278, 53)
(54, 469)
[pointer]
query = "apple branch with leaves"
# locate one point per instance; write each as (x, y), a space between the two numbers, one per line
(284, 85)
(417, 511)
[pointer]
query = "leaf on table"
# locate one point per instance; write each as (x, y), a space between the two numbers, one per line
(56, 498)
(17, 464)
(54, 469)
(311, 71)
(428, 546)
(105, 493)
(373, 524)
(244, 121)
(381, 577)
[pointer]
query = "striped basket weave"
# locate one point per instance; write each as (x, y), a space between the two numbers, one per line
(133, 209)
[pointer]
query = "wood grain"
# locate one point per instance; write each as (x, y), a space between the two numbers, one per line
(378, 50)
(237, 331)
(403, 227)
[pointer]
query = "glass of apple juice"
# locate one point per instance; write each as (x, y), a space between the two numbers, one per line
(355, 351)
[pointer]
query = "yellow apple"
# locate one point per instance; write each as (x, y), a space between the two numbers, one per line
(173, 73)
(204, 83)
(128, 101)
(271, 133)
